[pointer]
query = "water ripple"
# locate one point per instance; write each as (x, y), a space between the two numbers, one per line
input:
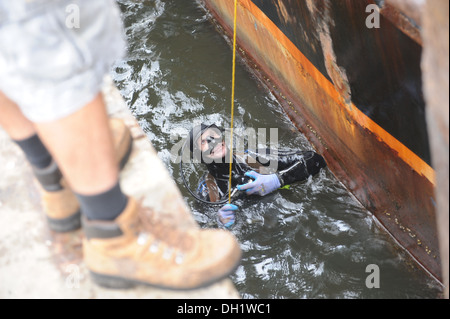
(312, 241)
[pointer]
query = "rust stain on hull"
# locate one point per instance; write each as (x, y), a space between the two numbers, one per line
(390, 180)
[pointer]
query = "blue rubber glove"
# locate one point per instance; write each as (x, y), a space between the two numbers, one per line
(262, 184)
(227, 215)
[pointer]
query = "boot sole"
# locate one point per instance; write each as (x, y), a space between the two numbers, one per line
(115, 282)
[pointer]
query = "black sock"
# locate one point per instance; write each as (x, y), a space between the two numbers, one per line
(103, 206)
(36, 153)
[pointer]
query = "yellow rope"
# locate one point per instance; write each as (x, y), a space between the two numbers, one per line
(232, 99)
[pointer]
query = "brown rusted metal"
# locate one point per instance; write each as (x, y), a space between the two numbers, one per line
(402, 21)
(389, 179)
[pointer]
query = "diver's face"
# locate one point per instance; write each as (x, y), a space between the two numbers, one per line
(208, 138)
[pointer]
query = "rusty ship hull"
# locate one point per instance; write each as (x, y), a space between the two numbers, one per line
(355, 90)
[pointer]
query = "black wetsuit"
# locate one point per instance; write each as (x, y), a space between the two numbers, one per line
(291, 166)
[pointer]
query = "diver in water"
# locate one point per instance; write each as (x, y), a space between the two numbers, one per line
(251, 171)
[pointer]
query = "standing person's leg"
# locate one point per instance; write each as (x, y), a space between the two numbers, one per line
(82, 145)
(23, 132)
(60, 204)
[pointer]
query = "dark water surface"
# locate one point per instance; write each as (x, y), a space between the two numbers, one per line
(312, 241)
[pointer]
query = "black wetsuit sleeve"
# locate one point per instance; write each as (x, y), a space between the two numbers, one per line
(307, 164)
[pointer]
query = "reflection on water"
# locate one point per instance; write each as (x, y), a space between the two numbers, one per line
(312, 241)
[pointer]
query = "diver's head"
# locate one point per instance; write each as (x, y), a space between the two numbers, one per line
(207, 143)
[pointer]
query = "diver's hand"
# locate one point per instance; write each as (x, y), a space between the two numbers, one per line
(227, 215)
(262, 184)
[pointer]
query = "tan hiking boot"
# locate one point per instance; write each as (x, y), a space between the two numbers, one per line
(60, 203)
(142, 247)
